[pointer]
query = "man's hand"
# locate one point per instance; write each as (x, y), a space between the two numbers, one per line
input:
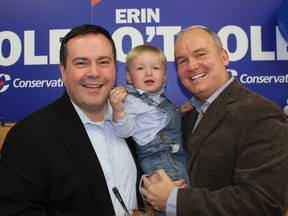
(157, 189)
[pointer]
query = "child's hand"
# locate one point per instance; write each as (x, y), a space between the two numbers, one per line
(116, 97)
(185, 107)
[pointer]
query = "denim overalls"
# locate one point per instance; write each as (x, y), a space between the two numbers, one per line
(165, 151)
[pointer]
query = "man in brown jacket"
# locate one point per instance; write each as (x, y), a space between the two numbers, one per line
(237, 141)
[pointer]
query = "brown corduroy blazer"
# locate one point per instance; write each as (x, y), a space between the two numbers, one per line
(237, 157)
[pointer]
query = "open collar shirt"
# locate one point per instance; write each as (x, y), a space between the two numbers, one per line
(115, 158)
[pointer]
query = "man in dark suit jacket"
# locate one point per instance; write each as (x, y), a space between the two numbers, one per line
(48, 165)
(237, 140)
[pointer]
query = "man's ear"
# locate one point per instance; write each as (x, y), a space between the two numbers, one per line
(63, 72)
(225, 57)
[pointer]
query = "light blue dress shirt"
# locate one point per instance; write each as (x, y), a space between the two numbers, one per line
(115, 158)
(201, 109)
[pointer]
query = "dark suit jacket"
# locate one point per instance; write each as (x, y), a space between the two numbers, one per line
(237, 157)
(49, 166)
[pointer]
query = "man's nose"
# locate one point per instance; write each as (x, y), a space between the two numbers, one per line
(193, 65)
(94, 70)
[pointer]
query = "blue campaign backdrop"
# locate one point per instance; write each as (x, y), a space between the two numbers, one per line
(31, 32)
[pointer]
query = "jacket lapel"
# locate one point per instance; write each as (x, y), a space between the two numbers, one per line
(211, 119)
(82, 151)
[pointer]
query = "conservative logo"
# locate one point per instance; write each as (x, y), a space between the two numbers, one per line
(4, 82)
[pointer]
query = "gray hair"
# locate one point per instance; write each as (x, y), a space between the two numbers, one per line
(215, 39)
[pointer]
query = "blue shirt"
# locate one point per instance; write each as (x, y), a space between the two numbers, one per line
(142, 121)
(115, 158)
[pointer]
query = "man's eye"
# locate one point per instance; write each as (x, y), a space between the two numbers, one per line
(181, 61)
(80, 63)
(200, 55)
(104, 62)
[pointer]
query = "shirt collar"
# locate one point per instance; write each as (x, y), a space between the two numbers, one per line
(84, 118)
(203, 107)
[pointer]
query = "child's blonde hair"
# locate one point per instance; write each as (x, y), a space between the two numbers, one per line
(145, 48)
